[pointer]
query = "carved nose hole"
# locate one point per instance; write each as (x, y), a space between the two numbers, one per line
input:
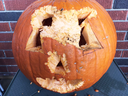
(47, 22)
(60, 69)
(59, 64)
(82, 39)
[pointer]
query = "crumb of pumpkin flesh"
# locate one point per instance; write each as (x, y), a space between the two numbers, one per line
(53, 61)
(61, 85)
(64, 27)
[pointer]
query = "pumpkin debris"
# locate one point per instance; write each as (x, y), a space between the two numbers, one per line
(30, 83)
(38, 91)
(96, 90)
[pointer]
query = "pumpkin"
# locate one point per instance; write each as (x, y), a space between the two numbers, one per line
(64, 45)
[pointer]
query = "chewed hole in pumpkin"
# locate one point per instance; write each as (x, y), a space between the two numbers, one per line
(47, 22)
(60, 69)
(59, 64)
(82, 39)
(38, 40)
(81, 20)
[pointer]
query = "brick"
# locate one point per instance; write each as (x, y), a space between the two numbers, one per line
(1, 6)
(124, 69)
(120, 4)
(118, 15)
(6, 45)
(2, 54)
(7, 62)
(9, 53)
(118, 53)
(12, 68)
(6, 36)
(121, 25)
(125, 54)
(107, 4)
(121, 61)
(121, 35)
(13, 26)
(3, 69)
(9, 16)
(17, 4)
(4, 27)
(122, 45)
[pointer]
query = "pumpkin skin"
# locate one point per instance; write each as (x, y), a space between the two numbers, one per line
(94, 62)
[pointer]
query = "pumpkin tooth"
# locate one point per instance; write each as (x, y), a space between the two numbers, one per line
(64, 63)
(53, 60)
(61, 86)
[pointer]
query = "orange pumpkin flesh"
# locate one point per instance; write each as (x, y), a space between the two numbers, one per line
(49, 50)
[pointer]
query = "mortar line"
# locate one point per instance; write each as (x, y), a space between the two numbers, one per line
(4, 5)
(4, 53)
(121, 58)
(113, 3)
(10, 25)
(12, 11)
(126, 33)
(116, 9)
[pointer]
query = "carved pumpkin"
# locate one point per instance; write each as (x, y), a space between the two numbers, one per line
(64, 45)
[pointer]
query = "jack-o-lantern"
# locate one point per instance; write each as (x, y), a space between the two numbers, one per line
(64, 45)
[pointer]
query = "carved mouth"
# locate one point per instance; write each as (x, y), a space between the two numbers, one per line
(60, 86)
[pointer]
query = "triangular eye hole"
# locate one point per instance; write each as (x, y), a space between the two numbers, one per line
(81, 20)
(88, 39)
(47, 22)
(38, 40)
(82, 40)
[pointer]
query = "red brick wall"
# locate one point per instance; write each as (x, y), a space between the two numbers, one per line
(10, 10)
